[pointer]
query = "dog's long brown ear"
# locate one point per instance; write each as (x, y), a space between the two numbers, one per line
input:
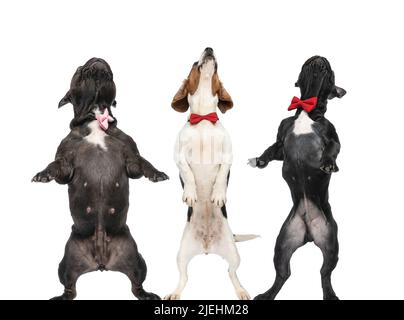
(189, 86)
(65, 100)
(225, 102)
(337, 92)
(180, 100)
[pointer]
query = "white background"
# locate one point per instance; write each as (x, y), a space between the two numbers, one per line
(260, 48)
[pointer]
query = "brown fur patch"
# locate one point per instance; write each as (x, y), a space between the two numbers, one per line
(190, 85)
(225, 102)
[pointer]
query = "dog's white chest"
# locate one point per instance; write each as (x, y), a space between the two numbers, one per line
(97, 135)
(303, 124)
(206, 144)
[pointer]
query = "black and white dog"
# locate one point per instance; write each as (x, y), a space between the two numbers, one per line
(308, 145)
(95, 160)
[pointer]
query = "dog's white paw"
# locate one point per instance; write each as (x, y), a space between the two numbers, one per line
(252, 162)
(219, 196)
(242, 294)
(172, 296)
(189, 196)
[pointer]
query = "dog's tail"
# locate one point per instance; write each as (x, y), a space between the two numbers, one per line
(244, 237)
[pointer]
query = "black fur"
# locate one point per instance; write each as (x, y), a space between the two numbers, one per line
(308, 161)
(98, 186)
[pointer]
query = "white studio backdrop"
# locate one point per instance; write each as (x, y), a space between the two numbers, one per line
(260, 47)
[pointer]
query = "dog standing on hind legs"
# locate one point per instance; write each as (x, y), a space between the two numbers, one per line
(203, 154)
(308, 145)
(96, 160)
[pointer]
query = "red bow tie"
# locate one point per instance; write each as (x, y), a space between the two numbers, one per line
(196, 118)
(308, 105)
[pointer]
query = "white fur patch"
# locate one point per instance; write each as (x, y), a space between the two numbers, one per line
(203, 101)
(303, 124)
(97, 135)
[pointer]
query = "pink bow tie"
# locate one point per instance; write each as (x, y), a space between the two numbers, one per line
(104, 119)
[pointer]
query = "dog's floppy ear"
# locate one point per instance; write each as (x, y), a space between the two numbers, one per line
(180, 100)
(65, 100)
(225, 102)
(189, 86)
(336, 92)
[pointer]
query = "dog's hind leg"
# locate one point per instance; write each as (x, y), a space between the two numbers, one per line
(125, 258)
(324, 230)
(189, 248)
(228, 250)
(77, 260)
(290, 238)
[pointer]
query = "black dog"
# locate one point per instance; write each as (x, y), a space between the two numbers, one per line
(95, 160)
(308, 145)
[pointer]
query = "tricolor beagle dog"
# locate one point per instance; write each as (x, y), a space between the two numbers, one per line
(308, 145)
(203, 154)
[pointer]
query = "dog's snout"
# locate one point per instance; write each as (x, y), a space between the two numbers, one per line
(99, 65)
(96, 64)
(207, 55)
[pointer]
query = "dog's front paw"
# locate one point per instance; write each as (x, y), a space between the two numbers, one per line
(189, 196)
(252, 162)
(219, 196)
(44, 176)
(158, 176)
(329, 166)
(257, 162)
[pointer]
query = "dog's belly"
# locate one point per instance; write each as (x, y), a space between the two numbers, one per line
(302, 161)
(99, 191)
(303, 150)
(207, 221)
(207, 225)
(205, 177)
